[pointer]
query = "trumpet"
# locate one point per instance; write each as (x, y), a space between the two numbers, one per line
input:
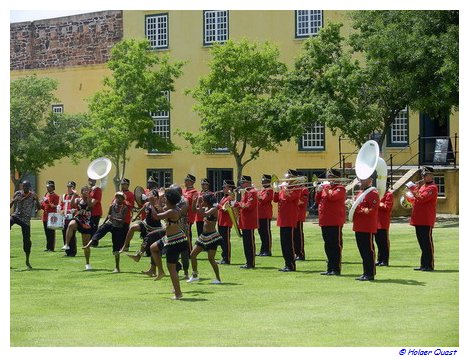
(407, 197)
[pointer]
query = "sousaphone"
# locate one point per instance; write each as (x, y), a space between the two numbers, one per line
(99, 169)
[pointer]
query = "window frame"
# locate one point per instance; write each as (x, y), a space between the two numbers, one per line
(57, 106)
(439, 181)
(389, 137)
(205, 43)
(158, 172)
(301, 147)
(156, 117)
(297, 36)
(163, 14)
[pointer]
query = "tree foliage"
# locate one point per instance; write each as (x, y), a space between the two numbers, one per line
(38, 136)
(239, 102)
(120, 112)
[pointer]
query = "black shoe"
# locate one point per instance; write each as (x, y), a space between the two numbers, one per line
(325, 273)
(333, 272)
(360, 277)
(286, 269)
(265, 254)
(418, 268)
(427, 269)
(299, 258)
(247, 266)
(223, 261)
(366, 278)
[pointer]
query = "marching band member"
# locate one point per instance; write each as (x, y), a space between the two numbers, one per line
(25, 202)
(95, 194)
(49, 205)
(423, 217)
(265, 196)
(190, 193)
(199, 219)
(298, 233)
(287, 219)
(224, 222)
(68, 205)
(365, 223)
(330, 200)
(210, 239)
(384, 221)
(248, 220)
(129, 202)
(151, 185)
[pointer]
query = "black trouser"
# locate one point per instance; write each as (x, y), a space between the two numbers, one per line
(367, 252)
(94, 223)
(332, 236)
(265, 235)
(26, 232)
(299, 241)
(200, 227)
(225, 232)
(249, 245)
(189, 238)
(73, 242)
(50, 237)
(148, 240)
(286, 242)
(425, 239)
(382, 241)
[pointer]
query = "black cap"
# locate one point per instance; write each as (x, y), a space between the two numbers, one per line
(151, 179)
(119, 193)
(228, 183)
(266, 177)
(245, 179)
(291, 172)
(426, 170)
(125, 181)
(71, 184)
(50, 183)
(331, 173)
(190, 178)
(26, 184)
(204, 181)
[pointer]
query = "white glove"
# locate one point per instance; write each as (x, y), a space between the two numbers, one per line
(144, 197)
(410, 184)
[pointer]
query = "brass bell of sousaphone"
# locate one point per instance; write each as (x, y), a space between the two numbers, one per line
(99, 169)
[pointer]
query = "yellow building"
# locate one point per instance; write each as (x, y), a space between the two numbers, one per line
(73, 50)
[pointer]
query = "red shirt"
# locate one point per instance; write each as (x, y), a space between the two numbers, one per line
(248, 216)
(367, 222)
(96, 193)
(143, 214)
(68, 200)
(287, 207)
(331, 205)
(189, 193)
(384, 211)
(49, 204)
(198, 216)
(224, 219)
(424, 207)
(302, 204)
(265, 196)
(129, 202)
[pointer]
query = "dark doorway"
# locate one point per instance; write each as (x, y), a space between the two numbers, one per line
(216, 178)
(435, 144)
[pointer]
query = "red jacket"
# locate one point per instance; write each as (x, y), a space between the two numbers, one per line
(224, 219)
(331, 205)
(97, 194)
(198, 216)
(129, 202)
(265, 196)
(248, 216)
(424, 207)
(287, 207)
(384, 211)
(69, 200)
(367, 222)
(303, 204)
(189, 193)
(49, 204)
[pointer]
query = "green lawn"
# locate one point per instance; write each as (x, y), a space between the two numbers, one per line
(60, 304)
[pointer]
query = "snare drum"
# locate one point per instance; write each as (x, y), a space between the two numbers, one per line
(55, 221)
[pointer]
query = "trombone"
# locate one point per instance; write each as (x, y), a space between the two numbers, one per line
(300, 182)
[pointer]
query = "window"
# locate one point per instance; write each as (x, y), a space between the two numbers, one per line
(161, 122)
(216, 178)
(164, 177)
(215, 26)
(156, 30)
(58, 108)
(308, 22)
(313, 138)
(399, 131)
(440, 183)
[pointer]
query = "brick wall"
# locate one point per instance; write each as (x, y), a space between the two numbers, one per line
(84, 39)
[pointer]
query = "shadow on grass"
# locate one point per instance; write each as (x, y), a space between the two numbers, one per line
(186, 299)
(35, 269)
(447, 225)
(399, 281)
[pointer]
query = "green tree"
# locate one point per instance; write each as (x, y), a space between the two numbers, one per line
(238, 102)
(38, 136)
(120, 112)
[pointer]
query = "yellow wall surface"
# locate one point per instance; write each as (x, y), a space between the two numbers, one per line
(186, 44)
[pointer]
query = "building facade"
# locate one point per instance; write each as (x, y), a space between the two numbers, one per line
(74, 49)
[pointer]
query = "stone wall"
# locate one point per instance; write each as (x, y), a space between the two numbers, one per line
(84, 39)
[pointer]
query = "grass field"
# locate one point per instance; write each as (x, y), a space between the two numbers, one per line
(60, 304)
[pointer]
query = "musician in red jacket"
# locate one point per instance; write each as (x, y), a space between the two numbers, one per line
(190, 193)
(298, 234)
(365, 224)
(96, 195)
(423, 217)
(384, 221)
(199, 219)
(265, 196)
(129, 202)
(224, 222)
(248, 220)
(49, 205)
(69, 207)
(287, 220)
(330, 200)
